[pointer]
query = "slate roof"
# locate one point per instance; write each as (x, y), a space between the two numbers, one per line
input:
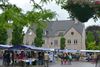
(63, 25)
(54, 27)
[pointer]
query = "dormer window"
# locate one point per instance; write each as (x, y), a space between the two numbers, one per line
(61, 33)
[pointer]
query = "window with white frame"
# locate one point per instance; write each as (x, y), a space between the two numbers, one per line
(75, 41)
(69, 41)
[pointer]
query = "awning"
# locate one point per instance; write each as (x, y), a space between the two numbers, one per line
(69, 50)
(5, 46)
(19, 47)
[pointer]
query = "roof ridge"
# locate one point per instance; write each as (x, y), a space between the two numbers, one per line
(60, 20)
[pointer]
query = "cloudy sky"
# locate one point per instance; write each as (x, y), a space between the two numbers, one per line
(61, 14)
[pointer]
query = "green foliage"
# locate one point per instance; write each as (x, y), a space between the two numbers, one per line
(82, 12)
(13, 13)
(90, 41)
(62, 43)
(3, 35)
(93, 36)
(91, 46)
(19, 20)
(38, 39)
(90, 37)
(39, 18)
(48, 1)
(17, 35)
(38, 42)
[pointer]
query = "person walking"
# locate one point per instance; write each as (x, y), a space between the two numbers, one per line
(46, 60)
(69, 58)
(98, 61)
(4, 58)
(62, 58)
(65, 58)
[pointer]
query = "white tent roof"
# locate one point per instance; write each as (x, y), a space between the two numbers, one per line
(69, 50)
(39, 48)
(89, 50)
(5, 45)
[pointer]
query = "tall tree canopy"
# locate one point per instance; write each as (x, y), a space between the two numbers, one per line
(93, 37)
(38, 39)
(13, 17)
(81, 10)
(3, 35)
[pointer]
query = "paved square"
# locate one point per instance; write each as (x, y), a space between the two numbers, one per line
(75, 64)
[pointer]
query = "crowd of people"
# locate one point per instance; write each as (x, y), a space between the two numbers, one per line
(44, 58)
(11, 57)
(66, 58)
(14, 57)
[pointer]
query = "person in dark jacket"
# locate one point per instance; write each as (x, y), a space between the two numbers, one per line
(8, 58)
(40, 58)
(4, 58)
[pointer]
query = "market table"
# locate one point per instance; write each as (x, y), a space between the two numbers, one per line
(28, 61)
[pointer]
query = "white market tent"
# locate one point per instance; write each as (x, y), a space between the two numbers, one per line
(5, 46)
(78, 51)
(31, 47)
(39, 48)
(90, 51)
(69, 50)
(48, 49)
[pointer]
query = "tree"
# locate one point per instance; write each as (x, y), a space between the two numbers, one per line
(38, 39)
(62, 43)
(17, 35)
(39, 18)
(90, 37)
(93, 28)
(13, 13)
(91, 46)
(90, 41)
(81, 10)
(3, 25)
(19, 19)
(95, 31)
(3, 35)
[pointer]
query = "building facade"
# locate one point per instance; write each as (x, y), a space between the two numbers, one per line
(72, 31)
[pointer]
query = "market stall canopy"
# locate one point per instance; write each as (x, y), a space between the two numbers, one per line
(69, 50)
(5, 46)
(19, 47)
(89, 50)
(32, 47)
